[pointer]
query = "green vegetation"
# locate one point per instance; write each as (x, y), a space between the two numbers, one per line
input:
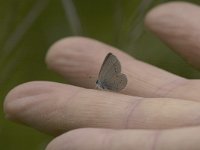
(29, 28)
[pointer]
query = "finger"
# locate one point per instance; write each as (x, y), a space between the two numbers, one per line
(55, 108)
(177, 24)
(79, 60)
(105, 139)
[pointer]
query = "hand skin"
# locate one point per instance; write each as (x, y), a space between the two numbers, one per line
(156, 111)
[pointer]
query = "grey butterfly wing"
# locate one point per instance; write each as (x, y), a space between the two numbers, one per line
(110, 67)
(110, 75)
(116, 82)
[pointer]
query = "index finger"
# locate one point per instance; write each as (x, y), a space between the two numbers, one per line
(79, 60)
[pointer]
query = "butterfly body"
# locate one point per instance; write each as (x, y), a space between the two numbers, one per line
(110, 76)
(100, 85)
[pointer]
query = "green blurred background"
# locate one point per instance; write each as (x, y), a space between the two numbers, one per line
(29, 27)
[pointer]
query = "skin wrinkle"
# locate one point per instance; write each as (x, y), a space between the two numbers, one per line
(62, 128)
(106, 140)
(194, 122)
(74, 94)
(135, 104)
(156, 138)
(166, 89)
(24, 90)
(177, 85)
(28, 104)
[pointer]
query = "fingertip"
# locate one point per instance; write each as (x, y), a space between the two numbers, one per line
(161, 13)
(23, 101)
(14, 100)
(59, 48)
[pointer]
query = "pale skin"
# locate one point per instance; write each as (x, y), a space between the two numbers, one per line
(156, 111)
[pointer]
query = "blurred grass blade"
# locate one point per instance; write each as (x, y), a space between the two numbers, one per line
(14, 39)
(118, 21)
(22, 28)
(136, 24)
(133, 26)
(72, 16)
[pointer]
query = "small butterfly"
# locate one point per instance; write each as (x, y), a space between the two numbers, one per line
(110, 76)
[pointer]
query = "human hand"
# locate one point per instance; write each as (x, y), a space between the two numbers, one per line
(165, 115)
